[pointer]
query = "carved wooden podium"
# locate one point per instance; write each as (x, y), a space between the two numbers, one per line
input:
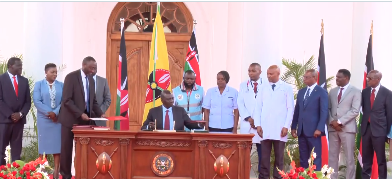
(156, 155)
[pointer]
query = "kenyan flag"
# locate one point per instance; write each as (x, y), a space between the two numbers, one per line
(122, 86)
(369, 66)
(192, 58)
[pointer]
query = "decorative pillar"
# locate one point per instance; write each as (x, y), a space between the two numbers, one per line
(262, 35)
(234, 43)
(43, 36)
(202, 162)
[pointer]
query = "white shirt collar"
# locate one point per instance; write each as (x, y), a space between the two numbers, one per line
(274, 83)
(377, 88)
(258, 81)
(345, 87)
(83, 74)
(312, 87)
(11, 75)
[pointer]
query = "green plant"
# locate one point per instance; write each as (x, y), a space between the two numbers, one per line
(295, 71)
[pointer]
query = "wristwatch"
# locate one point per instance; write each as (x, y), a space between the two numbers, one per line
(246, 119)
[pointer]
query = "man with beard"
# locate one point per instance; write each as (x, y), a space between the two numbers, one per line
(189, 95)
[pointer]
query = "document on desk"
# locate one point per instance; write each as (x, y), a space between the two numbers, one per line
(99, 119)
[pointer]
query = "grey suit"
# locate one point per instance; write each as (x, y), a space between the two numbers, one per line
(346, 112)
(102, 93)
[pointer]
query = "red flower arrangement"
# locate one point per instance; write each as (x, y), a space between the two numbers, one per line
(309, 173)
(21, 170)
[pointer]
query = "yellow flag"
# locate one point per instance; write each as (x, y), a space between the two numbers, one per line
(158, 73)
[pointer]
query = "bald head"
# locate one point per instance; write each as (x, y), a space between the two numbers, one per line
(273, 73)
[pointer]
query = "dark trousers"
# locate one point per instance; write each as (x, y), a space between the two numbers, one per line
(306, 144)
(265, 160)
(258, 149)
(11, 134)
(371, 144)
(67, 138)
(67, 142)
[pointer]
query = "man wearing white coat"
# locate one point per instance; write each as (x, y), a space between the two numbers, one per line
(275, 108)
(246, 105)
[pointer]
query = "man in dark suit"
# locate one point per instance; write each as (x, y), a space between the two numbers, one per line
(166, 114)
(78, 103)
(376, 124)
(15, 103)
(102, 94)
(310, 115)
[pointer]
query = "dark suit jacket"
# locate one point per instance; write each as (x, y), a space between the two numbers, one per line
(73, 104)
(179, 115)
(9, 102)
(103, 93)
(313, 115)
(381, 113)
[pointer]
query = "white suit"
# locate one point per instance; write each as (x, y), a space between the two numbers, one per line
(246, 105)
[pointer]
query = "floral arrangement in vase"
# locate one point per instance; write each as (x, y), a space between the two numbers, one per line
(21, 170)
(309, 173)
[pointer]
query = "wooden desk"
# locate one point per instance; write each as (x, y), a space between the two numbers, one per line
(130, 155)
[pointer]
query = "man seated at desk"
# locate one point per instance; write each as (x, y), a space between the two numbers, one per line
(166, 114)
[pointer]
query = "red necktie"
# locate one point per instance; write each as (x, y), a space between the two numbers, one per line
(167, 121)
(340, 95)
(372, 98)
(15, 85)
(255, 87)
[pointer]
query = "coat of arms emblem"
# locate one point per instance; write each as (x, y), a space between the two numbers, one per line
(162, 164)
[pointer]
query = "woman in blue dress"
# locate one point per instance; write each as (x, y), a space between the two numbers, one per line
(47, 96)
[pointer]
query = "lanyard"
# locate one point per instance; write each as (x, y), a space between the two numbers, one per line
(188, 98)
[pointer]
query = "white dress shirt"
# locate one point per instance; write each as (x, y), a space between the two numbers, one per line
(344, 89)
(275, 108)
(377, 89)
(311, 89)
(12, 79)
(84, 85)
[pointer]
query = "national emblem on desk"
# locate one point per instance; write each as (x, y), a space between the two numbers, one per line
(221, 166)
(162, 164)
(103, 163)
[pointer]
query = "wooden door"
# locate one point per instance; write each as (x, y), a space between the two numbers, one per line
(138, 58)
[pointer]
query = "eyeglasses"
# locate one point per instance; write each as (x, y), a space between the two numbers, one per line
(307, 77)
(370, 78)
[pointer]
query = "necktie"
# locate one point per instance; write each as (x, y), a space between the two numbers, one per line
(307, 95)
(255, 87)
(88, 96)
(15, 85)
(372, 98)
(340, 95)
(167, 121)
(273, 87)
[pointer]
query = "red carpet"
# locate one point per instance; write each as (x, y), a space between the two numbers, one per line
(51, 177)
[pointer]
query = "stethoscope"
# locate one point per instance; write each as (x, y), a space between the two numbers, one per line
(250, 82)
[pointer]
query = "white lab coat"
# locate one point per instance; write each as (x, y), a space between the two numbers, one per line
(246, 106)
(274, 110)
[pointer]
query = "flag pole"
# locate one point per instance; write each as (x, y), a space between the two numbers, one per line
(322, 27)
(371, 32)
(122, 24)
(194, 24)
